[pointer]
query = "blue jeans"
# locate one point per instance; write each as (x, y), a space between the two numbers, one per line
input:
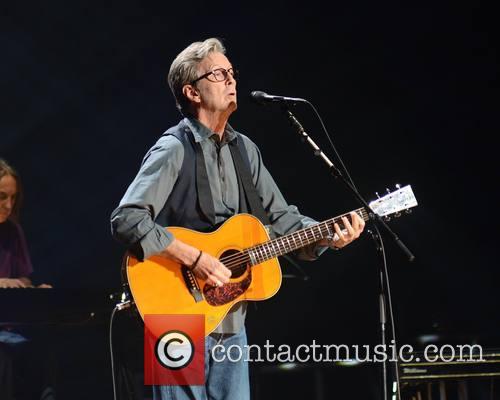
(224, 380)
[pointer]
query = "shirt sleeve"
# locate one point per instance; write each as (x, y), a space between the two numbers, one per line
(132, 223)
(23, 266)
(284, 218)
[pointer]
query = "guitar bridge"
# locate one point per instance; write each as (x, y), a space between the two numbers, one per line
(191, 283)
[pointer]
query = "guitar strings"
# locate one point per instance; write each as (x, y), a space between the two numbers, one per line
(235, 260)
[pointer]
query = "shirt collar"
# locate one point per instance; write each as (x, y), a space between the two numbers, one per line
(201, 132)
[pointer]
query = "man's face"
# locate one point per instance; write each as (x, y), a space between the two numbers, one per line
(216, 96)
(8, 193)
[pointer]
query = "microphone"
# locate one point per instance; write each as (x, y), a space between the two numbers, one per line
(262, 98)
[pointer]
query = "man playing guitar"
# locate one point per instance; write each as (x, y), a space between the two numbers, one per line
(199, 174)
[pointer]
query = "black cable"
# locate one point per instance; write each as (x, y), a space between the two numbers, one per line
(111, 351)
(382, 249)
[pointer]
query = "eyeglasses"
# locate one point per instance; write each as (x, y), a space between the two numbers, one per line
(218, 75)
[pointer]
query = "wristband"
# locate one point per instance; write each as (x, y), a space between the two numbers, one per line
(192, 266)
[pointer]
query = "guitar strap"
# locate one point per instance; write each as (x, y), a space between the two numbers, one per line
(254, 202)
(205, 200)
(203, 187)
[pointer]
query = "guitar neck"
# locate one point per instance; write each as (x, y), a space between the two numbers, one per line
(298, 239)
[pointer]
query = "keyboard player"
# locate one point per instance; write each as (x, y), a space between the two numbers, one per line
(15, 272)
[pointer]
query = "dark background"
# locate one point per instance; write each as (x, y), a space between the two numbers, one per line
(408, 94)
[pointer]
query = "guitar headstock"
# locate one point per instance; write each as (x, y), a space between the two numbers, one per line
(393, 203)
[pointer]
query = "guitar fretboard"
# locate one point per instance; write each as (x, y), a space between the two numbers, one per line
(298, 239)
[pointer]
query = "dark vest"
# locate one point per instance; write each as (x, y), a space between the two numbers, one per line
(190, 204)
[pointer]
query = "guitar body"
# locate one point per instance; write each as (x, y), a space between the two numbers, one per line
(162, 286)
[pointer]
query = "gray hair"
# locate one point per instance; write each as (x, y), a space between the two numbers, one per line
(184, 68)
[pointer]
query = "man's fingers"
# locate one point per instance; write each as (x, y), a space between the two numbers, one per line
(358, 222)
(352, 230)
(212, 271)
(339, 232)
(348, 226)
(214, 281)
(219, 274)
(355, 220)
(226, 271)
(219, 277)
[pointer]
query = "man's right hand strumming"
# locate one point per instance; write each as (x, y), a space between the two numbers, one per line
(206, 266)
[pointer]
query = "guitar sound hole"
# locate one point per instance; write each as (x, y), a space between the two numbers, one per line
(238, 268)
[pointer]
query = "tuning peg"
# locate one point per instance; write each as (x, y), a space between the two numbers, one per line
(378, 196)
(398, 186)
(387, 190)
(387, 218)
(408, 211)
(397, 215)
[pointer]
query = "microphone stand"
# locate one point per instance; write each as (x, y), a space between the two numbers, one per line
(375, 218)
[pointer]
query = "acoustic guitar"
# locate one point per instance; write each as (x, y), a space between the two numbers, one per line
(162, 286)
